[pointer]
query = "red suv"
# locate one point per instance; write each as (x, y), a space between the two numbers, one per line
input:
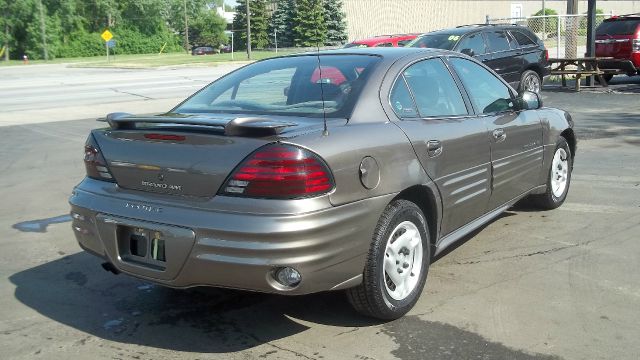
(619, 37)
(383, 41)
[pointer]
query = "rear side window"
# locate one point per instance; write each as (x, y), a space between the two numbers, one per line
(385, 45)
(618, 27)
(473, 42)
(434, 90)
(403, 42)
(401, 100)
(522, 38)
(497, 41)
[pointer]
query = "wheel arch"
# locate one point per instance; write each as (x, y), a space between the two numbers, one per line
(570, 136)
(428, 201)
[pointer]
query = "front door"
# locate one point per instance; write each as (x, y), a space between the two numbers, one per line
(451, 143)
(516, 136)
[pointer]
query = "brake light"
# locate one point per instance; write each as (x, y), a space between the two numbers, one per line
(546, 54)
(94, 162)
(165, 137)
(280, 172)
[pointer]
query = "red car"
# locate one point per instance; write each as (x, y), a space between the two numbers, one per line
(383, 41)
(619, 37)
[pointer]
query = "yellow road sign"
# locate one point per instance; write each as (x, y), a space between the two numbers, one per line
(106, 35)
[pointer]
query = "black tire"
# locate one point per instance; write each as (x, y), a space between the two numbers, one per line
(548, 200)
(528, 79)
(605, 77)
(371, 298)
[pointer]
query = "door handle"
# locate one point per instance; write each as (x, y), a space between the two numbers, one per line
(499, 135)
(434, 148)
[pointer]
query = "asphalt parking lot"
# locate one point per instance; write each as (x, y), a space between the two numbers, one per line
(560, 284)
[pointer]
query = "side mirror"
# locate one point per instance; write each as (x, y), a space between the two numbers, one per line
(468, 52)
(285, 91)
(529, 100)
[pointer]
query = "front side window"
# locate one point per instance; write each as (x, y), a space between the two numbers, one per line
(473, 42)
(434, 90)
(287, 86)
(497, 41)
(488, 94)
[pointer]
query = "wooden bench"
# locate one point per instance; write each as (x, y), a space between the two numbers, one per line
(579, 67)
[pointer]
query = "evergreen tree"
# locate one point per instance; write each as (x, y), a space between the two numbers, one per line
(282, 23)
(336, 24)
(310, 28)
(259, 24)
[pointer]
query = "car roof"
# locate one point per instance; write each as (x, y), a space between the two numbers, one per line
(385, 52)
(381, 38)
(466, 29)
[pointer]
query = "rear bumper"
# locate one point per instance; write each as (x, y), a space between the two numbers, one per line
(235, 249)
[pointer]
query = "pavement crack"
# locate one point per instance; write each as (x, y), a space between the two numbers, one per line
(347, 332)
(132, 94)
(296, 353)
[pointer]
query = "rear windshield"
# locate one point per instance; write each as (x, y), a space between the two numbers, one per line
(287, 86)
(437, 41)
(618, 27)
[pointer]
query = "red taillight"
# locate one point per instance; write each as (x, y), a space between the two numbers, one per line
(546, 54)
(165, 137)
(94, 161)
(280, 172)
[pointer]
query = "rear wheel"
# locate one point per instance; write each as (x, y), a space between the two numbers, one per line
(606, 78)
(558, 179)
(397, 265)
(530, 81)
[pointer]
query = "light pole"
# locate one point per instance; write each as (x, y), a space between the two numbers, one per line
(248, 31)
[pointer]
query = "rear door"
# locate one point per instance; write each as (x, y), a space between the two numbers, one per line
(516, 136)
(450, 142)
(504, 60)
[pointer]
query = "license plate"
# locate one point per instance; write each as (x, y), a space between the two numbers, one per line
(142, 245)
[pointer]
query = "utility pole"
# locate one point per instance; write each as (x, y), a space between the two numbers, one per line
(248, 31)
(186, 28)
(591, 35)
(43, 31)
(6, 36)
(571, 32)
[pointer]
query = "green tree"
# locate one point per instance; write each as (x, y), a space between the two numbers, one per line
(259, 24)
(310, 28)
(282, 23)
(208, 29)
(334, 18)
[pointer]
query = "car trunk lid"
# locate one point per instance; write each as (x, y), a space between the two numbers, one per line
(189, 155)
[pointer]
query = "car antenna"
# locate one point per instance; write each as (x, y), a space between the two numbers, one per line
(325, 132)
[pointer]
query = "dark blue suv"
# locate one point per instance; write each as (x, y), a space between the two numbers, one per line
(513, 51)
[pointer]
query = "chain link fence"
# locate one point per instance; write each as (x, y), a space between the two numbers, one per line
(565, 36)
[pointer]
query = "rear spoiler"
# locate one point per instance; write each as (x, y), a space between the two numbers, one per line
(241, 126)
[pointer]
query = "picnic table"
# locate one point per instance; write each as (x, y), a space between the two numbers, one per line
(587, 66)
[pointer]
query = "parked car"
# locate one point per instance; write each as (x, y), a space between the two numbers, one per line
(619, 37)
(319, 187)
(397, 40)
(225, 48)
(203, 50)
(514, 52)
